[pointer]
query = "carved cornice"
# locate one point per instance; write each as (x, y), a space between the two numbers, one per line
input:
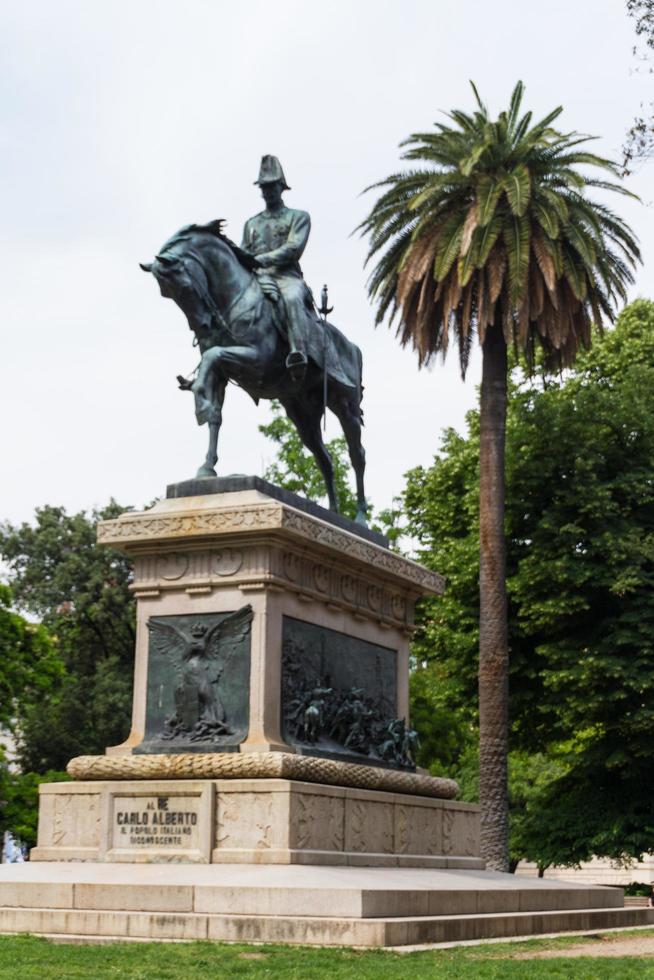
(134, 532)
(140, 527)
(380, 558)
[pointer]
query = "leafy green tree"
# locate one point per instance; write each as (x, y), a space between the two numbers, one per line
(530, 777)
(639, 145)
(580, 561)
(295, 469)
(30, 665)
(494, 234)
(19, 801)
(80, 594)
(447, 734)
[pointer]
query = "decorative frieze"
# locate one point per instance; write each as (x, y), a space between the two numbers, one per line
(154, 528)
(198, 571)
(132, 528)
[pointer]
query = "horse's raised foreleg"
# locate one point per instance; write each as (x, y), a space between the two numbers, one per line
(217, 366)
(203, 388)
(306, 419)
(209, 398)
(348, 413)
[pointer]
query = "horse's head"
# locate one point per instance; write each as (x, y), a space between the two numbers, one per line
(192, 268)
(170, 275)
(202, 272)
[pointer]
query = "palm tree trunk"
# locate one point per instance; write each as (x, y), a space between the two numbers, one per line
(493, 635)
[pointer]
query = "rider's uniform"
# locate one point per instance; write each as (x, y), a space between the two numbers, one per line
(278, 239)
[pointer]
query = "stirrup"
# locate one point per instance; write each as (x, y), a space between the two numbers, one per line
(296, 365)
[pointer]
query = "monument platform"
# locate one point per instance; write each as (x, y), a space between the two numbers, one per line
(267, 791)
(308, 905)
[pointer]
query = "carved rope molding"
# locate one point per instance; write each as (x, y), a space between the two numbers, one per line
(260, 765)
(140, 528)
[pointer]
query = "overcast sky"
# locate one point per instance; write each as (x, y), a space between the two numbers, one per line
(122, 121)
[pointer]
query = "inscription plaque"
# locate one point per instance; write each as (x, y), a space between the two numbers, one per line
(156, 822)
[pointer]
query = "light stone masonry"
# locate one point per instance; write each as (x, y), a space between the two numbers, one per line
(258, 821)
(309, 905)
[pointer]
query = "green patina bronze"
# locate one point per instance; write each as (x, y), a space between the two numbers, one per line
(339, 697)
(198, 682)
(256, 324)
(276, 238)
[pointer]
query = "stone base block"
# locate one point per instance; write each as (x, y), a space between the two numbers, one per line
(94, 902)
(252, 821)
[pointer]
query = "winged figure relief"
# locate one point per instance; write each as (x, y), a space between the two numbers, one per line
(199, 711)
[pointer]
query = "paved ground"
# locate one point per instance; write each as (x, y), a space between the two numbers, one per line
(606, 945)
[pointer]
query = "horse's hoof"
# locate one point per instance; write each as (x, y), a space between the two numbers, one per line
(206, 471)
(361, 518)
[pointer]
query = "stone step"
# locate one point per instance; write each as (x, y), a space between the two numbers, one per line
(101, 924)
(498, 925)
(455, 897)
(297, 904)
(637, 901)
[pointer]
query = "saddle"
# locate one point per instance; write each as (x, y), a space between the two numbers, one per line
(326, 346)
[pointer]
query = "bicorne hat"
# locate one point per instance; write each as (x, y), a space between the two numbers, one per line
(270, 171)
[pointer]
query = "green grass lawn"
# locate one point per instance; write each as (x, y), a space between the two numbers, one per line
(23, 957)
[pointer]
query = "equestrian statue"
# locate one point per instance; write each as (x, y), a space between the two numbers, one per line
(256, 324)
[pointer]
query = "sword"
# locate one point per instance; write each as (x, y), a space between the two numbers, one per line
(324, 310)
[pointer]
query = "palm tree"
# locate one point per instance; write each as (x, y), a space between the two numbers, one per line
(494, 235)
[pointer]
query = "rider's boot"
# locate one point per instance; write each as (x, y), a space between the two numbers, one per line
(296, 362)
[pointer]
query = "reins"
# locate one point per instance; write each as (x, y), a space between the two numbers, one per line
(213, 309)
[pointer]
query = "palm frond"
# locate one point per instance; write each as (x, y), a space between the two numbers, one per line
(514, 105)
(493, 222)
(469, 225)
(486, 238)
(515, 232)
(488, 192)
(448, 246)
(480, 104)
(518, 188)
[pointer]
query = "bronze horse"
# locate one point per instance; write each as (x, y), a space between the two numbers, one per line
(242, 339)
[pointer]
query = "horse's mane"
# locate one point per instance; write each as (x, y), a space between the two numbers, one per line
(214, 228)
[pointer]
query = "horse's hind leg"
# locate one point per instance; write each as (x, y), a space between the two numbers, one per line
(347, 410)
(306, 419)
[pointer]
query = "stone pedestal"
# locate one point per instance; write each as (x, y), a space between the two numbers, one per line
(328, 603)
(396, 907)
(271, 661)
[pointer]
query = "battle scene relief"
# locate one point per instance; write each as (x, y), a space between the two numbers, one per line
(339, 697)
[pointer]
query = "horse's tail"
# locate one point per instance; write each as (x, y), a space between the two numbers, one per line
(360, 385)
